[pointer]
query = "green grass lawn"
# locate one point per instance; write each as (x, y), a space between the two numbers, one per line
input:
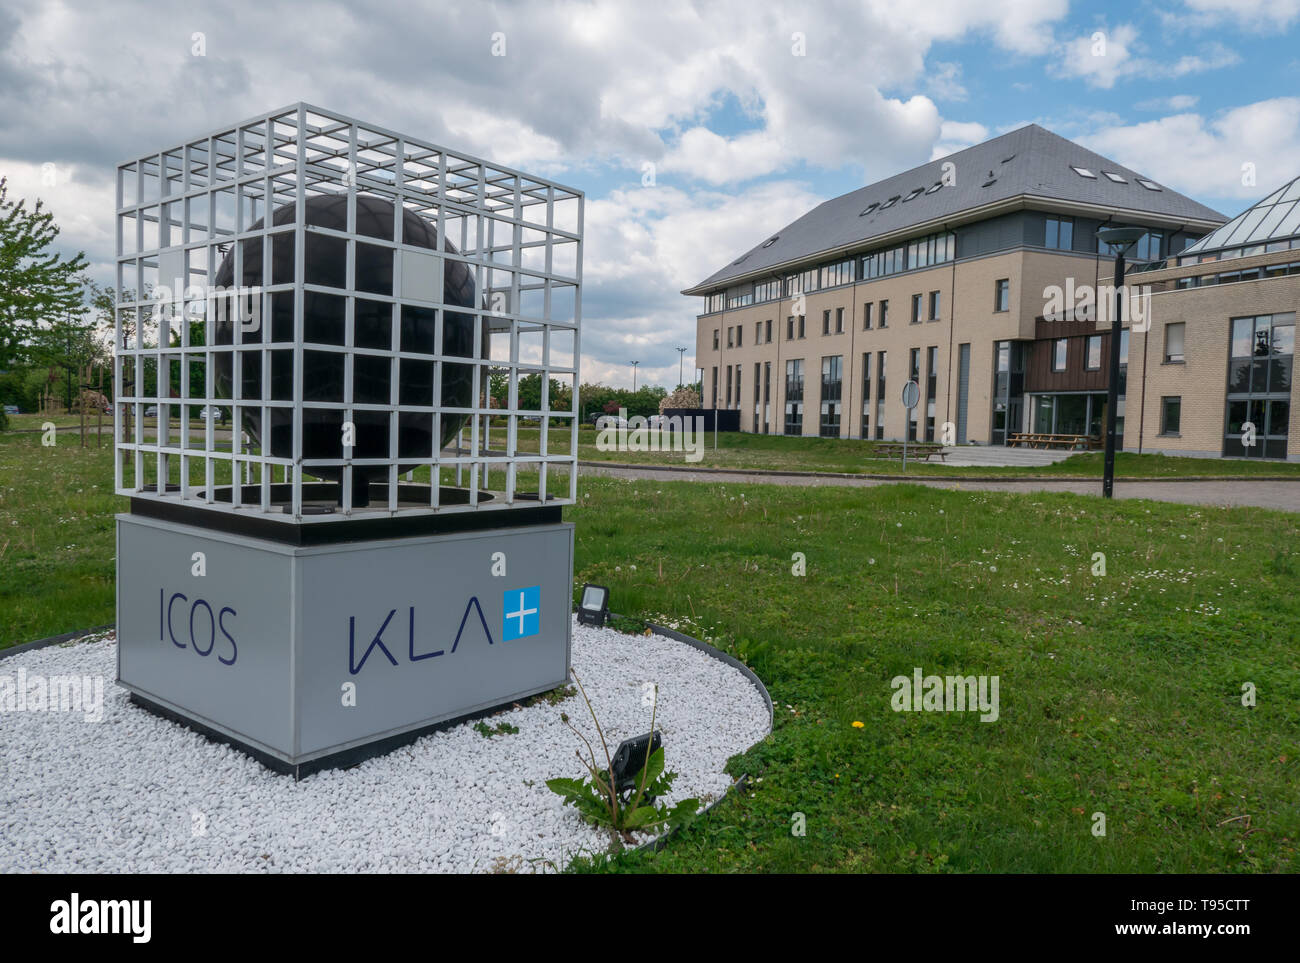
(1119, 694)
(741, 450)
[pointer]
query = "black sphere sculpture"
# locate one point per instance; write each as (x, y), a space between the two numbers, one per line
(324, 322)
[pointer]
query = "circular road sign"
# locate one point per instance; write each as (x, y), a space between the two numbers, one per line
(911, 395)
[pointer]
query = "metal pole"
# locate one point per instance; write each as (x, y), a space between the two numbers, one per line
(681, 360)
(1112, 388)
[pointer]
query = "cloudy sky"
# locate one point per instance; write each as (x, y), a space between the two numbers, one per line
(750, 113)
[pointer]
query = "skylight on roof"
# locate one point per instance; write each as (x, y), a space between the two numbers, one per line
(937, 185)
(916, 192)
(771, 240)
(1083, 172)
(890, 202)
(1149, 185)
(869, 208)
(1117, 178)
(1011, 158)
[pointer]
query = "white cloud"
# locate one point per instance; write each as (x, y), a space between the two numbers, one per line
(585, 87)
(705, 156)
(1104, 57)
(1175, 104)
(80, 199)
(1201, 156)
(943, 80)
(647, 244)
(955, 136)
(1249, 15)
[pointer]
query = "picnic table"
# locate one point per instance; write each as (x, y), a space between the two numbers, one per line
(915, 449)
(1036, 439)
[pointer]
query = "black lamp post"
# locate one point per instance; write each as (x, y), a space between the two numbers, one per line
(1120, 239)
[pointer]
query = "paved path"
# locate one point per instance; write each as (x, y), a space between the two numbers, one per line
(1282, 495)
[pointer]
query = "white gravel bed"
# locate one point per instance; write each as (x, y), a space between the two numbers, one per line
(135, 793)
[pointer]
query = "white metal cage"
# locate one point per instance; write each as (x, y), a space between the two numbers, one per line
(283, 353)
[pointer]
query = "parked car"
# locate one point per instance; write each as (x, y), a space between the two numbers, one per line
(610, 421)
(12, 410)
(151, 411)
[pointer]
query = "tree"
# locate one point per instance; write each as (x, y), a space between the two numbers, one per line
(38, 286)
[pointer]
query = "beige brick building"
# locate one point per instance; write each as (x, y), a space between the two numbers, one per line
(945, 273)
(1214, 367)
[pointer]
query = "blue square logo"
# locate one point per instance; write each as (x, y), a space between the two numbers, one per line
(521, 613)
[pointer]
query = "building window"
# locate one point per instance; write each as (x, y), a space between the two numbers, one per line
(731, 338)
(916, 309)
(767, 291)
(1148, 247)
(1123, 347)
(794, 397)
(866, 315)
(833, 275)
(1174, 334)
(767, 397)
(714, 303)
(802, 320)
(758, 332)
(880, 395)
(931, 389)
(884, 313)
(714, 402)
(1259, 386)
(914, 374)
(934, 305)
(803, 283)
(715, 339)
(839, 320)
(865, 431)
(1170, 414)
(1059, 349)
(1002, 295)
(832, 389)
(1060, 233)
(768, 328)
(737, 386)
(740, 334)
(882, 263)
(1092, 360)
(789, 328)
(728, 386)
(826, 322)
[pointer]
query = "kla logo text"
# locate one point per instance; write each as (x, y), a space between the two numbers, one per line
(131, 916)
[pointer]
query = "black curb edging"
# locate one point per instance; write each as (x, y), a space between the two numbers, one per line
(660, 841)
(923, 479)
(54, 640)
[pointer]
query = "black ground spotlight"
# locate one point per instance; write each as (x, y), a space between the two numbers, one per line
(593, 608)
(630, 760)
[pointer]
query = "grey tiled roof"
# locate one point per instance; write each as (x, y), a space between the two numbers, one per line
(1029, 161)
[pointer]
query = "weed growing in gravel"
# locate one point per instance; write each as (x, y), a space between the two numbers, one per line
(487, 732)
(552, 698)
(598, 799)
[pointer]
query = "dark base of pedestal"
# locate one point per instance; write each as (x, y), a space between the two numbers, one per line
(344, 759)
